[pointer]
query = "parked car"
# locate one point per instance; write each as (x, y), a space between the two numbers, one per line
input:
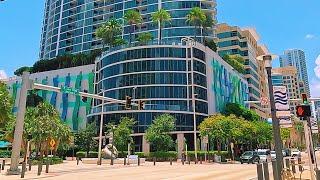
(249, 157)
(295, 153)
(273, 154)
(264, 155)
(317, 148)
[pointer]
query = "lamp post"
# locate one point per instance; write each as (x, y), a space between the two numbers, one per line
(275, 123)
(100, 132)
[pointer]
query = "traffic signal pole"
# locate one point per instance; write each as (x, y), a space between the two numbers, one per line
(18, 131)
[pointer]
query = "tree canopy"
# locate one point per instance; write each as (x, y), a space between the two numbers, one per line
(6, 106)
(240, 111)
(43, 123)
(122, 132)
(84, 138)
(109, 33)
(158, 132)
(161, 16)
(236, 61)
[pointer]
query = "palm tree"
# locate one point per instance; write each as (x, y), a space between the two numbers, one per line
(133, 18)
(196, 17)
(109, 31)
(143, 38)
(206, 25)
(160, 17)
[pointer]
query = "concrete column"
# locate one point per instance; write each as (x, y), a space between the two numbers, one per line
(145, 145)
(180, 139)
(203, 146)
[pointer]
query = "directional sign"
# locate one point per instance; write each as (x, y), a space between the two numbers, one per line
(281, 98)
(264, 101)
(52, 144)
(69, 90)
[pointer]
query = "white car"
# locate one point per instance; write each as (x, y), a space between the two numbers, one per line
(273, 154)
(295, 153)
(264, 155)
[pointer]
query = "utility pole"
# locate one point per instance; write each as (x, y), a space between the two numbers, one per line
(18, 131)
(275, 122)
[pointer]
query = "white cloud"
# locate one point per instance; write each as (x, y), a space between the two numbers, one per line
(317, 68)
(3, 74)
(310, 36)
(315, 88)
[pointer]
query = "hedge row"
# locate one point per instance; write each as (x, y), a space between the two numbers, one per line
(5, 154)
(224, 154)
(52, 160)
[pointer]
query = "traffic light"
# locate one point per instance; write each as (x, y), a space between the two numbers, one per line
(304, 98)
(303, 111)
(84, 98)
(141, 105)
(128, 102)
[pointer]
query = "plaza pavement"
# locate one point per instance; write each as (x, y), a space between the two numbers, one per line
(70, 171)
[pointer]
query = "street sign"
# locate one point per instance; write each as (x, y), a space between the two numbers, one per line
(283, 114)
(281, 98)
(69, 90)
(303, 111)
(52, 143)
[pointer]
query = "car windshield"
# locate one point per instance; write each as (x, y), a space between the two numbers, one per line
(247, 153)
(262, 153)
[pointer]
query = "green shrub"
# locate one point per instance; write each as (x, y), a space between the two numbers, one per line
(163, 156)
(5, 154)
(52, 160)
(93, 154)
(224, 155)
(140, 154)
(122, 154)
(81, 154)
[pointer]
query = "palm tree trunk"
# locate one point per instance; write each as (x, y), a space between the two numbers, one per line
(130, 38)
(160, 33)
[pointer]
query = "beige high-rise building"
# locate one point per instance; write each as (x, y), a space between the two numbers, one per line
(287, 76)
(233, 40)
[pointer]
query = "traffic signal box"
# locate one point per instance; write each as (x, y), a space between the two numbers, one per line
(303, 111)
(128, 102)
(141, 105)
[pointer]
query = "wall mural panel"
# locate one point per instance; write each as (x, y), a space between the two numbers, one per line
(227, 87)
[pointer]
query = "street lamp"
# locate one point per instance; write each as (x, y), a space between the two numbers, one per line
(275, 123)
(100, 132)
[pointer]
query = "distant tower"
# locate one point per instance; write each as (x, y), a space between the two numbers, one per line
(297, 58)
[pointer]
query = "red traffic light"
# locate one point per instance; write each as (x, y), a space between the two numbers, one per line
(303, 111)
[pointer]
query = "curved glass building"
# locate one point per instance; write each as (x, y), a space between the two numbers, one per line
(69, 25)
(170, 79)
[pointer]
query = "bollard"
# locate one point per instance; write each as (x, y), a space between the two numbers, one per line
(182, 160)
(300, 166)
(274, 169)
(189, 161)
(171, 161)
(154, 161)
(111, 161)
(47, 165)
(0, 168)
(317, 174)
(293, 166)
(3, 164)
(259, 171)
(200, 160)
(39, 168)
(265, 171)
(30, 164)
(124, 161)
(77, 160)
(138, 161)
(23, 170)
(287, 163)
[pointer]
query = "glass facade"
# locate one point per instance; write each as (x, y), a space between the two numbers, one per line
(69, 25)
(161, 76)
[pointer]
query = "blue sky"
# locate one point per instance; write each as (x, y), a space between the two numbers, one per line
(282, 24)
